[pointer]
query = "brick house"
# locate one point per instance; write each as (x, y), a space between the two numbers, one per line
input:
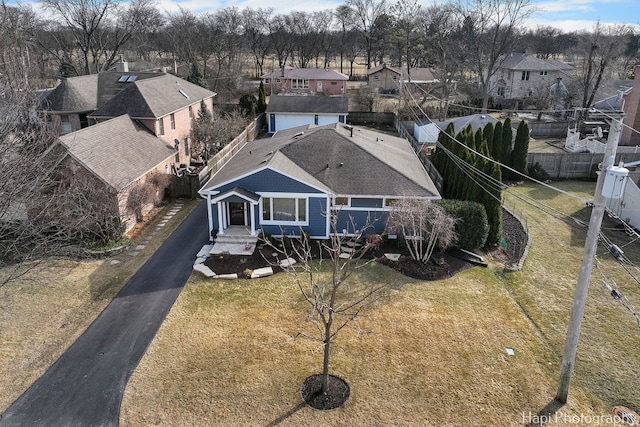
(386, 79)
(631, 107)
(110, 158)
(164, 103)
(309, 81)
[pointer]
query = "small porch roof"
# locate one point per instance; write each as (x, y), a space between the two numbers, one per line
(234, 192)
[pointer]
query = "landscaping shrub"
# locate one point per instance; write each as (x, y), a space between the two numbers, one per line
(538, 173)
(472, 227)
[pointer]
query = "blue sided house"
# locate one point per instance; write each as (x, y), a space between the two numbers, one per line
(299, 178)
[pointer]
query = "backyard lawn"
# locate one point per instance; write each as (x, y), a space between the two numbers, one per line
(428, 353)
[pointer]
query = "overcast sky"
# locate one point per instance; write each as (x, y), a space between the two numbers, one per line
(568, 15)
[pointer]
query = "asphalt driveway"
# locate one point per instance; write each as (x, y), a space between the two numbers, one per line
(85, 386)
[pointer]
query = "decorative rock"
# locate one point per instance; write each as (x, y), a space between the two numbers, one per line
(114, 261)
(204, 270)
(392, 257)
(227, 276)
(140, 247)
(287, 262)
(262, 272)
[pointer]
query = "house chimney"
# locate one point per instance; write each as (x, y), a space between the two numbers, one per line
(282, 71)
(122, 66)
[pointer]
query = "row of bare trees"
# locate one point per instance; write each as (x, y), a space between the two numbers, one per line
(458, 39)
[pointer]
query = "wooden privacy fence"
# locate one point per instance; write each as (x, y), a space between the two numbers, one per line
(574, 165)
(189, 184)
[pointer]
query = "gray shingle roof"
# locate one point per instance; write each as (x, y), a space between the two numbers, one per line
(367, 164)
(526, 62)
(154, 97)
(308, 104)
(113, 93)
(118, 151)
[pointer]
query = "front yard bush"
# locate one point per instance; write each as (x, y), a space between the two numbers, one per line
(472, 227)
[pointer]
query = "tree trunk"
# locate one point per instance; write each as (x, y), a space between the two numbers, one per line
(325, 361)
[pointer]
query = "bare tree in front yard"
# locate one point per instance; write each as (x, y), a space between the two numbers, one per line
(423, 224)
(334, 297)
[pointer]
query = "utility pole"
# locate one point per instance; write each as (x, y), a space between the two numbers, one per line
(590, 246)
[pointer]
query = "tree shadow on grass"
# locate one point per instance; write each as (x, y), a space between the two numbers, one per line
(545, 415)
(287, 414)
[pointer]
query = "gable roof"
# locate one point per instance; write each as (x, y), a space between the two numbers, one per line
(154, 97)
(113, 93)
(306, 73)
(308, 104)
(86, 93)
(336, 159)
(527, 62)
(416, 75)
(118, 151)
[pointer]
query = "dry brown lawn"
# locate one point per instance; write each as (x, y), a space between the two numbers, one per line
(44, 312)
(429, 353)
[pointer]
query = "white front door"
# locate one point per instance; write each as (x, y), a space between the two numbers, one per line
(319, 85)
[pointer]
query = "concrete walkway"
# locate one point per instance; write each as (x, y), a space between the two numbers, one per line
(85, 386)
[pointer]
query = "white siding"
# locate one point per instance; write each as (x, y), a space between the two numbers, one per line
(288, 121)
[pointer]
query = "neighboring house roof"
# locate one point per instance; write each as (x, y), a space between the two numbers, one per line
(613, 103)
(306, 73)
(336, 159)
(154, 97)
(308, 104)
(87, 93)
(416, 75)
(118, 151)
(75, 94)
(477, 121)
(527, 62)
(113, 93)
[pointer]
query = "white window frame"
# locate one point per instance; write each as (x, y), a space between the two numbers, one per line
(161, 126)
(65, 123)
(296, 198)
(172, 120)
(299, 83)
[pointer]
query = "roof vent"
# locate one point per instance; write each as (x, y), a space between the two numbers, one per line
(298, 134)
(183, 93)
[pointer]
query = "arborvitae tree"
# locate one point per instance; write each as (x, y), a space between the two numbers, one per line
(262, 100)
(478, 139)
(487, 135)
(493, 203)
(195, 76)
(472, 226)
(520, 149)
(507, 139)
(496, 143)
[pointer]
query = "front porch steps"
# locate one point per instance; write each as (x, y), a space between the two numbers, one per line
(234, 241)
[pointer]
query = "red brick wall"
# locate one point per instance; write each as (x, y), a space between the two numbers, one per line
(631, 107)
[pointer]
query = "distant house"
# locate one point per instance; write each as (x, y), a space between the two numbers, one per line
(308, 81)
(426, 132)
(296, 180)
(387, 79)
(165, 104)
(285, 112)
(521, 75)
(111, 157)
